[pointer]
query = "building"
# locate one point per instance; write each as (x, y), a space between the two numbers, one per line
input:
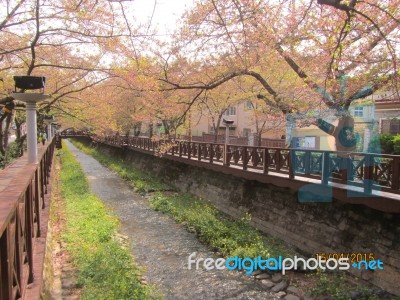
(247, 125)
(379, 113)
(388, 114)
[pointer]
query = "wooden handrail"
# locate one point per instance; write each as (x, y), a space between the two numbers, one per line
(366, 170)
(23, 199)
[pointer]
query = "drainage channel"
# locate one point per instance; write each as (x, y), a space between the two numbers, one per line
(162, 247)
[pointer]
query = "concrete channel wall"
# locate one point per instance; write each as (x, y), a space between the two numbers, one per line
(309, 227)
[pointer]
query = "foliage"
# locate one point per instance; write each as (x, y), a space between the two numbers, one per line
(12, 153)
(107, 72)
(300, 55)
(72, 44)
(229, 237)
(105, 268)
(396, 144)
(337, 288)
(385, 143)
(333, 286)
(140, 180)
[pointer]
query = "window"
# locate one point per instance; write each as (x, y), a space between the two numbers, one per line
(358, 111)
(248, 105)
(309, 142)
(391, 126)
(230, 111)
(394, 126)
(246, 132)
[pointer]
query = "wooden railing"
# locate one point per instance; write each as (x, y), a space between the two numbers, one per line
(65, 134)
(23, 225)
(370, 171)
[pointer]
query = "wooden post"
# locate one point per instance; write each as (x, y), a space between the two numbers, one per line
(368, 173)
(265, 161)
(6, 275)
(291, 165)
(244, 158)
(29, 231)
(395, 173)
(226, 156)
(277, 159)
(343, 169)
(199, 151)
(325, 167)
(307, 162)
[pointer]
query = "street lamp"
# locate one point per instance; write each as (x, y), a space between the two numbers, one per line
(48, 120)
(30, 83)
(227, 124)
(226, 156)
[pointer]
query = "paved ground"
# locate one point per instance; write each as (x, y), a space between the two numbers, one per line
(162, 246)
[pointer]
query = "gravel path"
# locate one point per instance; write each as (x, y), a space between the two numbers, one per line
(161, 246)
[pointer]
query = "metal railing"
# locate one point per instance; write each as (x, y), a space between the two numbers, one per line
(23, 220)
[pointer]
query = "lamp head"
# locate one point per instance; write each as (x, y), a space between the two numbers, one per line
(227, 122)
(29, 82)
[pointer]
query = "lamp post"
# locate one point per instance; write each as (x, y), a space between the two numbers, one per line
(30, 99)
(53, 128)
(227, 124)
(48, 120)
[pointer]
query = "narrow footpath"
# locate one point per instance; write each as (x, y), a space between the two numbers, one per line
(162, 247)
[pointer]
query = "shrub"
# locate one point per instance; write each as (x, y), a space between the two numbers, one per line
(396, 144)
(382, 143)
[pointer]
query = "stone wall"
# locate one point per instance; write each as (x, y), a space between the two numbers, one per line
(309, 227)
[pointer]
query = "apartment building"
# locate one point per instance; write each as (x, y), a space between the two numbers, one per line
(247, 123)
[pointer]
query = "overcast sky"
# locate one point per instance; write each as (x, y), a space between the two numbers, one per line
(166, 14)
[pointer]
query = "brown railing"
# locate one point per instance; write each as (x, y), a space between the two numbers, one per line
(23, 225)
(368, 171)
(65, 134)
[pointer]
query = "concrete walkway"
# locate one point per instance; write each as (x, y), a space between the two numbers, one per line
(162, 247)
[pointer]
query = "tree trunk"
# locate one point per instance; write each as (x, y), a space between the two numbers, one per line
(7, 131)
(216, 128)
(150, 130)
(2, 150)
(19, 137)
(258, 140)
(137, 128)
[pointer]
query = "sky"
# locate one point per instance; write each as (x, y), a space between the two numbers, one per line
(166, 14)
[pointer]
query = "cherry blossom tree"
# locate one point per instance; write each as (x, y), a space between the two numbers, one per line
(304, 54)
(76, 45)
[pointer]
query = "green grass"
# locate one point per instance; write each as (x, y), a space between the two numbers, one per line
(227, 236)
(105, 267)
(336, 287)
(224, 235)
(143, 182)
